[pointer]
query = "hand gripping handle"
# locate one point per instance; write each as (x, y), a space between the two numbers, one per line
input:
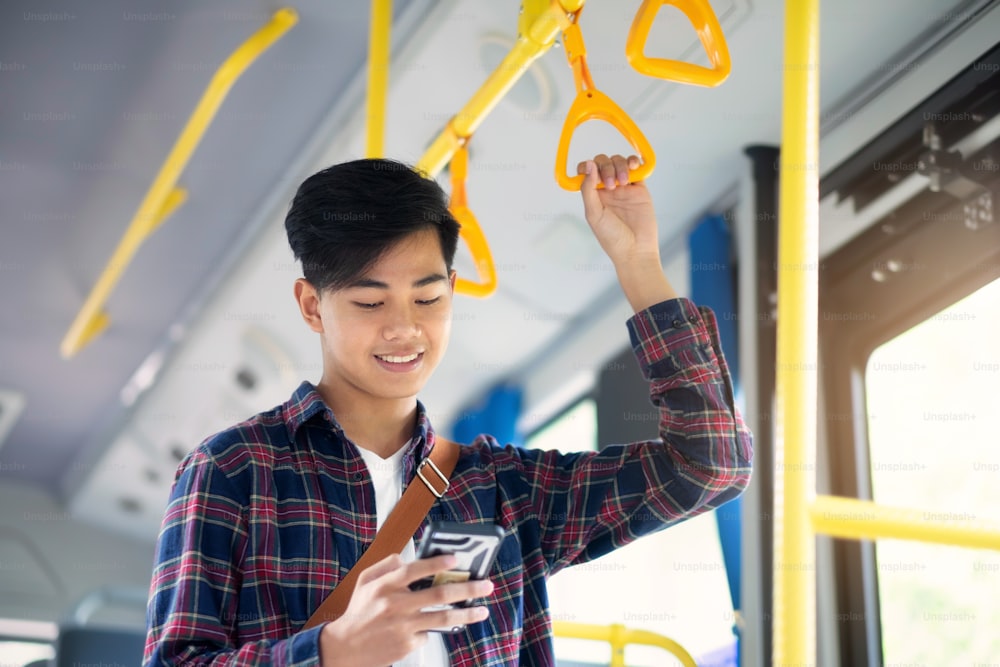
(595, 105)
(592, 104)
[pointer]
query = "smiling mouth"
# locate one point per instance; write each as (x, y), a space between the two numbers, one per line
(392, 359)
(404, 363)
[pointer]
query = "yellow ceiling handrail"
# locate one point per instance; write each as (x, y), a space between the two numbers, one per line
(539, 25)
(618, 636)
(164, 196)
(470, 231)
(378, 75)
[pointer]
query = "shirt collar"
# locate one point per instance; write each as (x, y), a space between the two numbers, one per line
(307, 406)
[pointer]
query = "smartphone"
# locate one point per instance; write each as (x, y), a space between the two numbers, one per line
(476, 547)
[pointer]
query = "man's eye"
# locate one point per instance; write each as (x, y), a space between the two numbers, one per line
(428, 302)
(367, 306)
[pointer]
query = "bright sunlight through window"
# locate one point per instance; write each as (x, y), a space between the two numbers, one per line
(933, 405)
(672, 583)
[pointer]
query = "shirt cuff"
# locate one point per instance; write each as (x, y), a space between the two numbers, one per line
(670, 331)
(303, 648)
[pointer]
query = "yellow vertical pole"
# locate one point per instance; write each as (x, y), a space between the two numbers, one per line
(378, 76)
(797, 374)
(618, 642)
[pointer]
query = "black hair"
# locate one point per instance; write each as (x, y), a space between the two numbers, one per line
(345, 217)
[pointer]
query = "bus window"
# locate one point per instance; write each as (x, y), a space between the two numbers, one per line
(21, 654)
(933, 414)
(573, 430)
(26, 642)
(676, 578)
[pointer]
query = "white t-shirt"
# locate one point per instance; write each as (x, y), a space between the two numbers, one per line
(387, 478)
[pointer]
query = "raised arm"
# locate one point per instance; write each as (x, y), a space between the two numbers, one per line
(575, 507)
(622, 218)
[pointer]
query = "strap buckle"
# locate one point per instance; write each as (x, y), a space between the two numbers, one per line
(430, 487)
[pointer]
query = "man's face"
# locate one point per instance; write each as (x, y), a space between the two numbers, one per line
(385, 334)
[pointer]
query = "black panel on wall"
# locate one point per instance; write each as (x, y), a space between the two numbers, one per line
(624, 411)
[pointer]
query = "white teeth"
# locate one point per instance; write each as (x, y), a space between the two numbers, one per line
(397, 360)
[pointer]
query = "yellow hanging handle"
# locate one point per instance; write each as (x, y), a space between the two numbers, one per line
(592, 104)
(470, 232)
(700, 13)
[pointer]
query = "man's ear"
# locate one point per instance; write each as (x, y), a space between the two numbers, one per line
(452, 276)
(308, 299)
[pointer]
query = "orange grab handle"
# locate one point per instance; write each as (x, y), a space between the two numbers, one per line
(595, 105)
(592, 104)
(470, 232)
(700, 13)
(473, 236)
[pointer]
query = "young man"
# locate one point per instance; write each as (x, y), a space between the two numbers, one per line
(267, 517)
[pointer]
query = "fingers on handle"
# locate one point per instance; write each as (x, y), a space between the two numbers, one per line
(622, 166)
(588, 189)
(611, 171)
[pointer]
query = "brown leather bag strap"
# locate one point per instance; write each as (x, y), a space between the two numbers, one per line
(430, 483)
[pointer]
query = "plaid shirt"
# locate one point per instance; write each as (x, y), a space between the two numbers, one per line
(265, 518)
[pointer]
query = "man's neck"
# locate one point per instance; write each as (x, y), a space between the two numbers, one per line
(381, 426)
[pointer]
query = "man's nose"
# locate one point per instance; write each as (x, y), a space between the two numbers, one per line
(401, 323)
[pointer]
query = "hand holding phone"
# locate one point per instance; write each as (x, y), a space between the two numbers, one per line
(385, 620)
(475, 546)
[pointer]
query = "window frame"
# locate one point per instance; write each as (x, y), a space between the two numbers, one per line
(946, 262)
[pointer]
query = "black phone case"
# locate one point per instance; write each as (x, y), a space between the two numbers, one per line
(475, 545)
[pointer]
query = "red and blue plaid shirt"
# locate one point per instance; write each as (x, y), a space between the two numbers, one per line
(265, 518)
